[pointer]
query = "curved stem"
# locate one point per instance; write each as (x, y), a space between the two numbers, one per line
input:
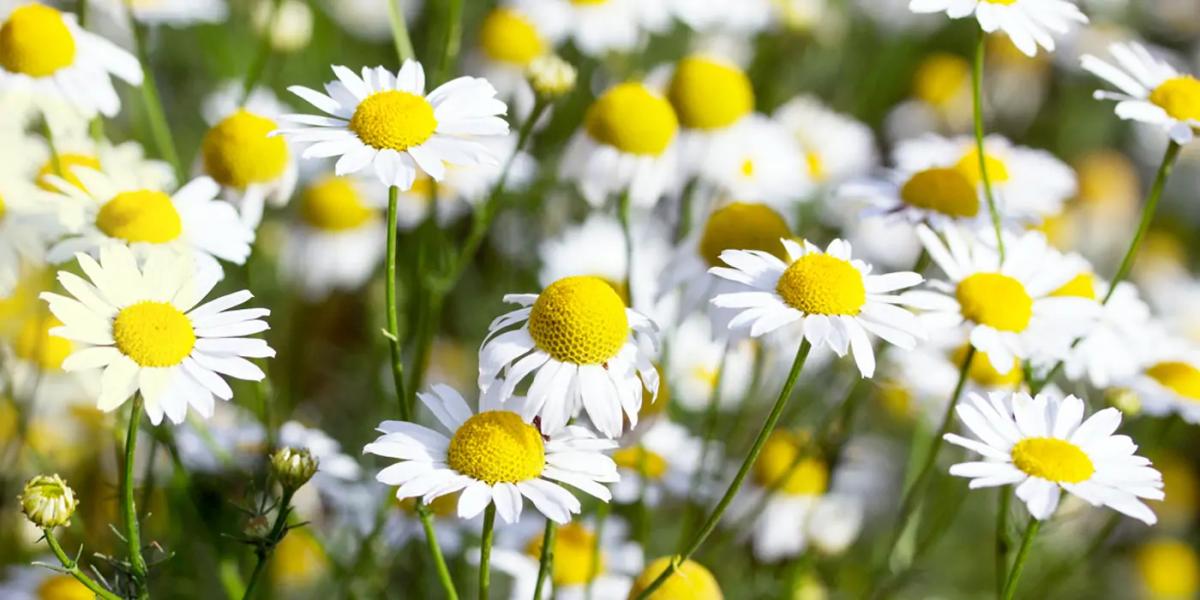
(546, 560)
(393, 316)
(736, 484)
(73, 568)
(485, 551)
(404, 47)
(133, 535)
(977, 96)
(276, 535)
(1014, 576)
(623, 216)
(711, 416)
(153, 104)
(435, 550)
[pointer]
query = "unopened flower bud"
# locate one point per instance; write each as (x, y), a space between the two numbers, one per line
(293, 467)
(551, 76)
(292, 27)
(48, 501)
(1125, 400)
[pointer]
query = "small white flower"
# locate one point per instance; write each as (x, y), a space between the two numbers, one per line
(1029, 23)
(596, 28)
(1150, 90)
(1168, 380)
(835, 147)
(657, 461)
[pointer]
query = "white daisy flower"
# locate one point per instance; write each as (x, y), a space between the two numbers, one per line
(32, 367)
(47, 52)
(657, 461)
(387, 122)
(126, 160)
(509, 41)
(145, 326)
(1112, 349)
(583, 567)
(693, 374)
(175, 13)
(114, 210)
(580, 347)
(27, 225)
(758, 159)
(597, 28)
(1150, 90)
(1043, 446)
(627, 145)
(1029, 23)
(1168, 380)
(831, 299)
(941, 97)
(836, 147)
(710, 95)
(493, 456)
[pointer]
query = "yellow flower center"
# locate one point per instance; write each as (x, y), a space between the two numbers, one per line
(689, 581)
(334, 204)
(642, 461)
(1052, 459)
(35, 344)
(67, 161)
(299, 561)
(743, 226)
(1169, 568)
(1082, 285)
(497, 446)
(154, 334)
(393, 119)
(588, 2)
(575, 555)
(947, 191)
(709, 94)
(1003, 2)
(983, 373)
(237, 152)
(968, 165)
(36, 41)
(507, 36)
(781, 458)
(140, 216)
(632, 119)
(995, 300)
(1179, 377)
(748, 167)
(579, 320)
(63, 587)
(3, 209)
(821, 284)
(1180, 97)
(940, 79)
(816, 166)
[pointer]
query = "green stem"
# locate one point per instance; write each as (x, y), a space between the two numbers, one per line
(262, 55)
(977, 96)
(393, 316)
(435, 550)
(712, 413)
(623, 216)
(276, 535)
(546, 560)
(751, 457)
(453, 41)
(404, 47)
(1014, 576)
(1004, 497)
(81, 11)
(73, 568)
(163, 139)
(485, 551)
(133, 535)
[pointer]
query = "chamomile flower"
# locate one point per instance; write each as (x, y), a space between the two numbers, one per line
(47, 52)
(580, 347)
(126, 160)
(1167, 568)
(1150, 90)
(145, 327)
(693, 374)
(1007, 305)
(710, 95)
(32, 367)
(830, 299)
(835, 147)
(1112, 349)
(388, 123)
(113, 210)
(597, 27)
(940, 97)
(584, 567)
(1044, 446)
(656, 461)
(627, 145)
(1168, 381)
(175, 13)
(929, 374)
(1030, 23)
(759, 159)
(494, 455)
(26, 227)
(335, 467)
(509, 42)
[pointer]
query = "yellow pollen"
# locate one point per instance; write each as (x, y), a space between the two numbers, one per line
(1003, 2)
(743, 226)
(579, 320)
(632, 119)
(393, 120)
(688, 581)
(807, 476)
(63, 587)
(507, 36)
(36, 41)
(154, 334)
(941, 78)
(1179, 377)
(748, 167)
(1082, 285)
(820, 284)
(68, 161)
(709, 94)
(1180, 97)
(1169, 569)
(497, 446)
(984, 373)
(995, 300)
(816, 166)
(588, 2)
(947, 191)
(575, 555)
(968, 165)
(642, 461)
(334, 204)
(237, 152)
(140, 216)
(35, 344)
(1052, 459)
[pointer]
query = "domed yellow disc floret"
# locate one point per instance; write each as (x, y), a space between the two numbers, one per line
(393, 120)
(807, 477)
(984, 373)
(63, 587)
(1180, 97)
(743, 226)
(579, 320)
(1082, 285)
(947, 191)
(995, 300)
(688, 581)
(1179, 377)
(497, 446)
(154, 334)
(67, 161)
(334, 204)
(238, 151)
(709, 94)
(1168, 568)
(969, 166)
(140, 216)
(1052, 459)
(642, 461)
(36, 41)
(820, 284)
(35, 344)
(507, 36)
(576, 561)
(632, 119)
